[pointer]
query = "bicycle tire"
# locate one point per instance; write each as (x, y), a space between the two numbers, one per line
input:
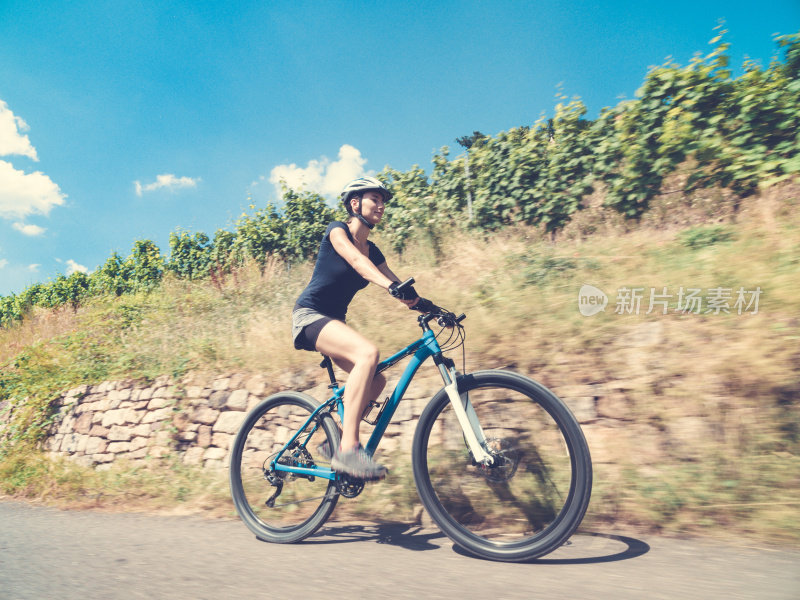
(303, 504)
(535, 496)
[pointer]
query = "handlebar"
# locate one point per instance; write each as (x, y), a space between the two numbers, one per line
(405, 284)
(429, 310)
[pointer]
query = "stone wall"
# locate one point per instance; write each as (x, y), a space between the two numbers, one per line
(138, 420)
(196, 418)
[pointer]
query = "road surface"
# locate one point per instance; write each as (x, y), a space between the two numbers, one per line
(47, 553)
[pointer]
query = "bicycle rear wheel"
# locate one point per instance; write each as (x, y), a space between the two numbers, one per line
(535, 494)
(302, 503)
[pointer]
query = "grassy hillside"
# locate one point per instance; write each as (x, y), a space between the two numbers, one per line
(721, 388)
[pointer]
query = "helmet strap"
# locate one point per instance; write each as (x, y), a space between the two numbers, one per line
(364, 221)
(360, 217)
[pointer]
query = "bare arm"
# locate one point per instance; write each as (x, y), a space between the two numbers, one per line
(362, 264)
(384, 268)
(380, 275)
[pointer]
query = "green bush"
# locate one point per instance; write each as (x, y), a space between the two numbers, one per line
(189, 255)
(701, 237)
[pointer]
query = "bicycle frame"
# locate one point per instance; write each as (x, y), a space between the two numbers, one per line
(420, 350)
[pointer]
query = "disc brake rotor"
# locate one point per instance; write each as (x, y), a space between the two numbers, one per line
(506, 460)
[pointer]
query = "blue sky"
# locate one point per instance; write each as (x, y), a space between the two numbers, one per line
(124, 120)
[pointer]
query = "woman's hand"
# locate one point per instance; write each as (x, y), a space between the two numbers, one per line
(410, 303)
(406, 292)
(407, 295)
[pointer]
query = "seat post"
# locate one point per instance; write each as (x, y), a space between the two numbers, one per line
(327, 363)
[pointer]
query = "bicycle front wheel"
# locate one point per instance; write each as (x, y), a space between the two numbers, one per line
(275, 505)
(535, 494)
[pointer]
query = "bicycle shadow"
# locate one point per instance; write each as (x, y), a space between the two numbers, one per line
(405, 535)
(634, 549)
(417, 538)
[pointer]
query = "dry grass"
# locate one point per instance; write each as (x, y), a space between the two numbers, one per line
(40, 327)
(167, 486)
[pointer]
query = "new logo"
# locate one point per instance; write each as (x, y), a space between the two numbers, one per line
(591, 300)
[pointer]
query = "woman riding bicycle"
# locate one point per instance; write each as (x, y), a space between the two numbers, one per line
(346, 263)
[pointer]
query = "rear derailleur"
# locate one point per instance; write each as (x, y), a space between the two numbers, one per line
(300, 457)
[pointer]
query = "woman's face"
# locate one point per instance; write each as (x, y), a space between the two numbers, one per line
(372, 206)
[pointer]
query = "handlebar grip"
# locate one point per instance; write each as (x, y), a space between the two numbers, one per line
(408, 282)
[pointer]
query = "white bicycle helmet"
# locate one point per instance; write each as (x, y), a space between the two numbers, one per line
(358, 187)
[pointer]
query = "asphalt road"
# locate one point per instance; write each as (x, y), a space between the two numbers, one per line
(47, 553)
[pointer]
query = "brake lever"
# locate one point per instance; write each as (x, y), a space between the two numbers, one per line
(447, 319)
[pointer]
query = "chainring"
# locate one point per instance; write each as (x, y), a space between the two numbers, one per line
(348, 486)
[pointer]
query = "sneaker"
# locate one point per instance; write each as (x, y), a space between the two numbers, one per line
(358, 463)
(324, 451)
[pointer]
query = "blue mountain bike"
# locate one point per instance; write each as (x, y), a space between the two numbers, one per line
(500, 463)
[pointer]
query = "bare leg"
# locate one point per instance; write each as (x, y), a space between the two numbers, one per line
(378, 383)
(358, 356)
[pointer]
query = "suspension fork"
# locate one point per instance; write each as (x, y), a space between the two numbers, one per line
(464, 411)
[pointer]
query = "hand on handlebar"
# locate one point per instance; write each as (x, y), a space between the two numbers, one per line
(424, 305)
(408, 295)
(403, 291)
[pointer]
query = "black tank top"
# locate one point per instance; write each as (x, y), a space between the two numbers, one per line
(334, 282)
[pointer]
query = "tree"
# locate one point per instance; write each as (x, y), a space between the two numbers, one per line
(190, 255)
(466, 142)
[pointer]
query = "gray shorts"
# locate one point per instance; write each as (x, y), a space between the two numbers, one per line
(306, 325)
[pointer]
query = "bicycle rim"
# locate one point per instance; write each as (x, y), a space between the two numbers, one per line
(303, 503)
(534, 496)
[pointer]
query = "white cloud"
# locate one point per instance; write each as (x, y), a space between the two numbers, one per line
(323, 175)
(3, 262)
(23, 194)
(169, 181)
(34, 267)
(12, 140)
(31, 230)
(73, 267)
